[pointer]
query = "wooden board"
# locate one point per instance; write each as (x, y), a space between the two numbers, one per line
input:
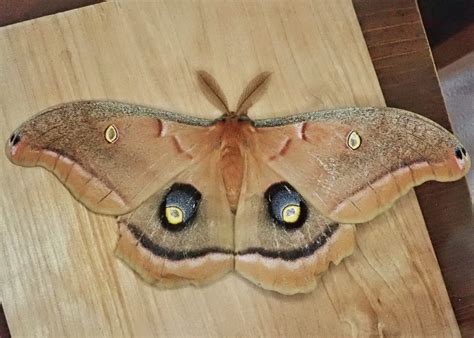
(402, 59)
(58, 268)
(22, 10)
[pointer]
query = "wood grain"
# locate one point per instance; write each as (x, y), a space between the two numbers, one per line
(59, 268)
(454, 48)
(402, 60)
(20, 10)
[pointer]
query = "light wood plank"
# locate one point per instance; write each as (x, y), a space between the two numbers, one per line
(59, 275)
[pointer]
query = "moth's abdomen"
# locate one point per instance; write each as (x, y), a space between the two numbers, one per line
(232, 159)
(232, 166)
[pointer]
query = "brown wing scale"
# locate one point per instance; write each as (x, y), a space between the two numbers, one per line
(112, 178)
(285, 260)
(398, 151)
(200, 252)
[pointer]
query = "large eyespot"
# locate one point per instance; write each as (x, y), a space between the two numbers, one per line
(179, 206)
(285, 206)
(353, 140)
(111, 134)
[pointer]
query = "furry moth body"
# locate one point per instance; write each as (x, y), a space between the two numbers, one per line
(274, 199)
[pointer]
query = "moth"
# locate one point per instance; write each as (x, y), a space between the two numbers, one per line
(275, 199)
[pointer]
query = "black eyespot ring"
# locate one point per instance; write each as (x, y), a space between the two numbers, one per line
(463, 151)
(280, 197)
(181, 202)
(15, 138)
(459, 152)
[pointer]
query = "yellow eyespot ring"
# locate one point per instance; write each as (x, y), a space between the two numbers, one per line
(353, 140)
(111, 134)
(174, 215)
(291, 213)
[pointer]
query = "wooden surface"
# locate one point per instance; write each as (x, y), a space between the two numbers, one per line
(444, 23)
(60, 271)
(402, 60)
(20, 10)
(454, 48)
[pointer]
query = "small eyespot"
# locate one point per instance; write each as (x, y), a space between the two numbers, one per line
(353, 140)
(459, 153)
(111, 134)
(14, 138)
(291, 213)
(174, 215)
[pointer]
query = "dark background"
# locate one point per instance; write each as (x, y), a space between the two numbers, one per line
(444, 18)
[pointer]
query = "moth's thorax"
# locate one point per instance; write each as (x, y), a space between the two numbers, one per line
(232, 159)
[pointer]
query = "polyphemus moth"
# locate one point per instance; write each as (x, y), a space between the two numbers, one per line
(274, 199)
